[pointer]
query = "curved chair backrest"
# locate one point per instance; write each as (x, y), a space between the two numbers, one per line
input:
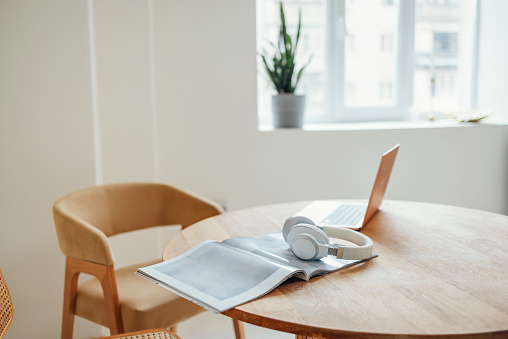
(6, 308)
(84, 219)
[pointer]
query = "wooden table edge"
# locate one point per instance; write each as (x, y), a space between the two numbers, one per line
(320, 332)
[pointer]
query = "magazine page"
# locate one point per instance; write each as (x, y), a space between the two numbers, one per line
(217, 276)
(274, 247)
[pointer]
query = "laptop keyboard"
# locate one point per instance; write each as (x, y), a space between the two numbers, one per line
(346, 215)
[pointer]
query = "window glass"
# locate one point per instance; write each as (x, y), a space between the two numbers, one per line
(371, 62)
(440, 59)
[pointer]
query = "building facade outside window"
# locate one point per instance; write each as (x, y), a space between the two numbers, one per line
(376, 60)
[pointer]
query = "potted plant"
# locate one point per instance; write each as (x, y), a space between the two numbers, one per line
(287, 108)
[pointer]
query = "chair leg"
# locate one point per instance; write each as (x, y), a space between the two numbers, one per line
(106, 276)
(109, 288)
(69, 302)
(239, 329)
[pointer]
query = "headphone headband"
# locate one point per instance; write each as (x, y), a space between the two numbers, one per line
(362, 251)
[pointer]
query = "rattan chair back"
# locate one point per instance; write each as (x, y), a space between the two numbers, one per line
(148, 334)
(6, 308)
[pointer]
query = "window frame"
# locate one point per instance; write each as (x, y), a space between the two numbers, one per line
(335, 111)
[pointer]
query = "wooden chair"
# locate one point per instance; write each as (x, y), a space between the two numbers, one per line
(7, 314)
(119, 299)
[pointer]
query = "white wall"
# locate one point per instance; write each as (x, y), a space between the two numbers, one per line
(46, 149)
(191, 122)
(123, 84)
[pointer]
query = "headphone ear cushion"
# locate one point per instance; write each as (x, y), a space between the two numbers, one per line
(292, 221)
(305, 246)
(308, 242)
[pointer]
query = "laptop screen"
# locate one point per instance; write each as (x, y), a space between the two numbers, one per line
(381, 182)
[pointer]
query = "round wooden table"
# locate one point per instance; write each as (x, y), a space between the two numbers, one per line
(441, 271)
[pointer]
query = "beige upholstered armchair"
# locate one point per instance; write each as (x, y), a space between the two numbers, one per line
(119, 299)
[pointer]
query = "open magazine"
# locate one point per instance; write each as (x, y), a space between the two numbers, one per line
(220, 276)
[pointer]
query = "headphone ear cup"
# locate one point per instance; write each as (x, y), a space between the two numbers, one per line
(308, 242)
(305, 246)
(292, 221)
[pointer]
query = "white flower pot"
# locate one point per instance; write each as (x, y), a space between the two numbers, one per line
(288, 110)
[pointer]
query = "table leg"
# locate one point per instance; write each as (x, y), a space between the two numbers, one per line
(239, 329)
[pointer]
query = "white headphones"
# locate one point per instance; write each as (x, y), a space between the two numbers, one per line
(310, 242)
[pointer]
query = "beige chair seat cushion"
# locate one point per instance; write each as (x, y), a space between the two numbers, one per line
(143, 304)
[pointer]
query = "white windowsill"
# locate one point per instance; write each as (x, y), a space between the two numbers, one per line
(388, 125)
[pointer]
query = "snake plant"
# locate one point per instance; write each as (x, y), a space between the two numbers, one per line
(281, 68)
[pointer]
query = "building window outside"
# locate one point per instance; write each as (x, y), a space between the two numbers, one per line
(350, 94)
(445, 43)
(386, 43)
(350, 43)
(385, 91)
(412, 55)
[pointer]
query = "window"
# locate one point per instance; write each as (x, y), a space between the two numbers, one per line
(386, 43)
(386, 91)
(412, 55)
(350, 43)
(445, 43)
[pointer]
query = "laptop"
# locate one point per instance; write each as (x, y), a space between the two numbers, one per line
(354, 215)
